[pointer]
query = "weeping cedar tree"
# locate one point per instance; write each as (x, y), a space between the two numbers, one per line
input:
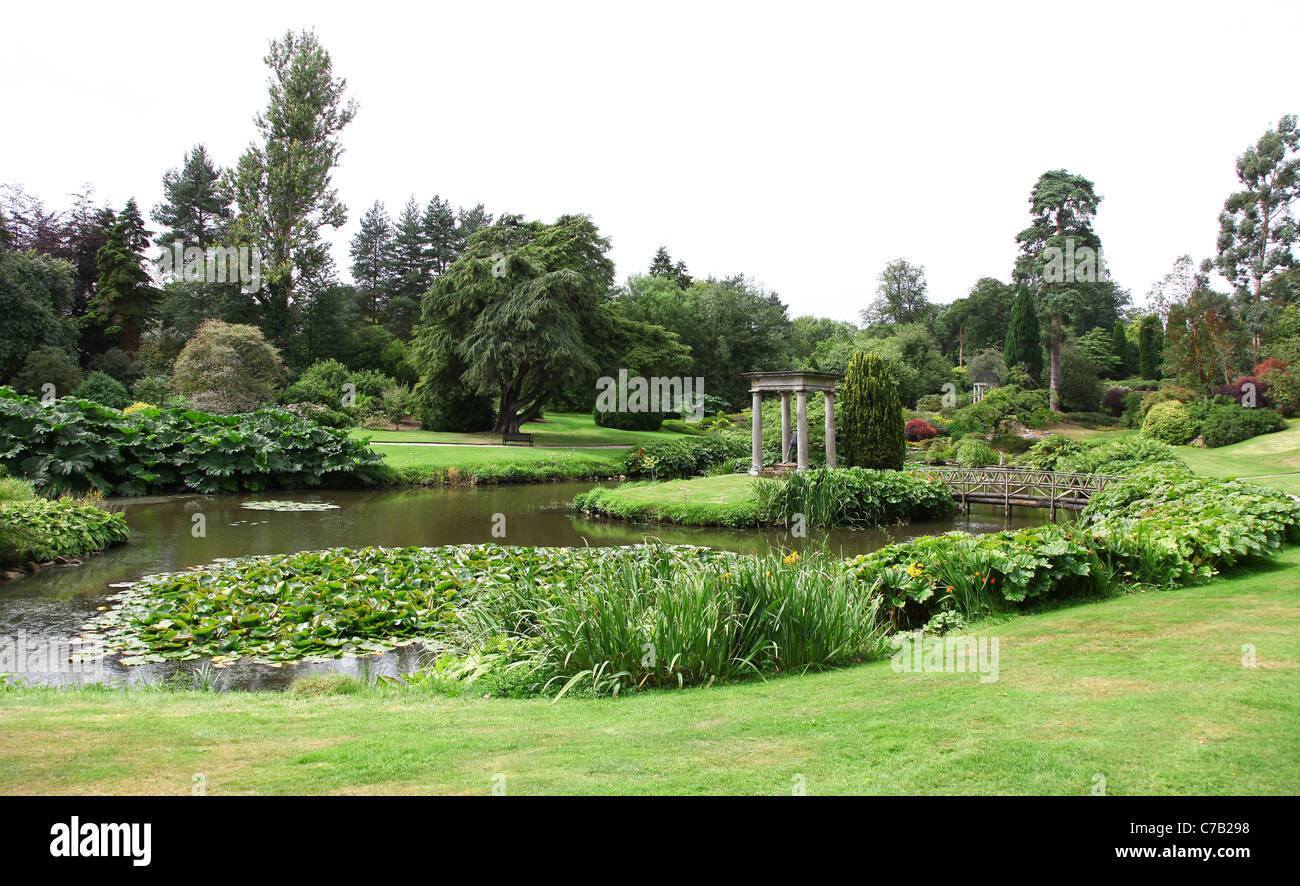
(1022, 346)
(520, 311)
(871, 415)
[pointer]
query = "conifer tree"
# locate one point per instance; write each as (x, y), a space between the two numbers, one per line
(372, 257)
(870, 415)
(1022, 346)
(124, 296)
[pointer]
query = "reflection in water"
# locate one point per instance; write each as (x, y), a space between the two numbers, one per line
(52, 605)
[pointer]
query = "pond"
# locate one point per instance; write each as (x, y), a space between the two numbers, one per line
(38, 613)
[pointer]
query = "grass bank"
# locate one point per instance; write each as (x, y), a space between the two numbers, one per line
(723, 500)
(443, 465)
(1148, 690)
(560, 429)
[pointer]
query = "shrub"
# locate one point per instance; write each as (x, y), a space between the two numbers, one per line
(919, 429)
(1123, 456)
(325, 380)
(103, 389)
(1090, 419)
(228, 368)
(871, 434)
(684, 457)
(1012, 444)
(972, 452)
(681, 426)
(1048, 453)
(853, 497)
(75, 445)
(1160, 527)
(1170, 422)
(453, 409)
(38, 529)
(1225, 424)
(48, 365)
(1113, 401)
(630, 421)
(1247, 391)
(999, 408)
(152, 389)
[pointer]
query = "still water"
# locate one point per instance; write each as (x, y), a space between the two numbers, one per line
(40, 611)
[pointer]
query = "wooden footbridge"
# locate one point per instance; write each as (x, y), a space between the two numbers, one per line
(1022, 487)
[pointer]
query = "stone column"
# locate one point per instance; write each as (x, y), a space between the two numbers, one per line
(785, 424)
(801, 433)
(830, 428)
(756, 459)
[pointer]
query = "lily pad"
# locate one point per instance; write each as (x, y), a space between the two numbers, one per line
(289, 506)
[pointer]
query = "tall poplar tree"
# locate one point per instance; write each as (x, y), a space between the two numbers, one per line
(283, 185)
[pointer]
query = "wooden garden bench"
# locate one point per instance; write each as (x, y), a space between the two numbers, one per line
(517, 438)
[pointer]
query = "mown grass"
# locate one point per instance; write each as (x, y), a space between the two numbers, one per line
(425, 465)
(562, 429)
(723, 500)
(1269, 459)
(1148, 690)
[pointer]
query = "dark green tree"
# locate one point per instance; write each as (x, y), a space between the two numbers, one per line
(870, 415)
(1022, 346)
(1060, 259)
(1119, 348)
(196, 203)
(372, 261)
(518, 311)
(440, 235)
(124, 296)
(1150, 346)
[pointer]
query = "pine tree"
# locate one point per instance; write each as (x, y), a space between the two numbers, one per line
(372, 257)
(467, 222)
(124, 297)
(1022, 346)
(662, 264)
(870, 415)
(439, 226)
(412, 270)
(196, 205)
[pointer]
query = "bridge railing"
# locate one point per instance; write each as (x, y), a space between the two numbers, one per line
(1022, 487)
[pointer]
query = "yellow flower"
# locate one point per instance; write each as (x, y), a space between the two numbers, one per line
(914, 570)
(793, 558)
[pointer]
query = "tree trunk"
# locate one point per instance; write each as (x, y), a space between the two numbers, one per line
(1054, 394)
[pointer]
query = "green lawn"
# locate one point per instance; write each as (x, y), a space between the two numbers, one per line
(1269, 459)
(561, 429)
(724, 500)
(1147, 690)
(498, 464)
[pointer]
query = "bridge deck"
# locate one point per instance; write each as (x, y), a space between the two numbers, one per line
(1022, 487)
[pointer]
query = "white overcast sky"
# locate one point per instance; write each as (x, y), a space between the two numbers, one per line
(801, 144)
